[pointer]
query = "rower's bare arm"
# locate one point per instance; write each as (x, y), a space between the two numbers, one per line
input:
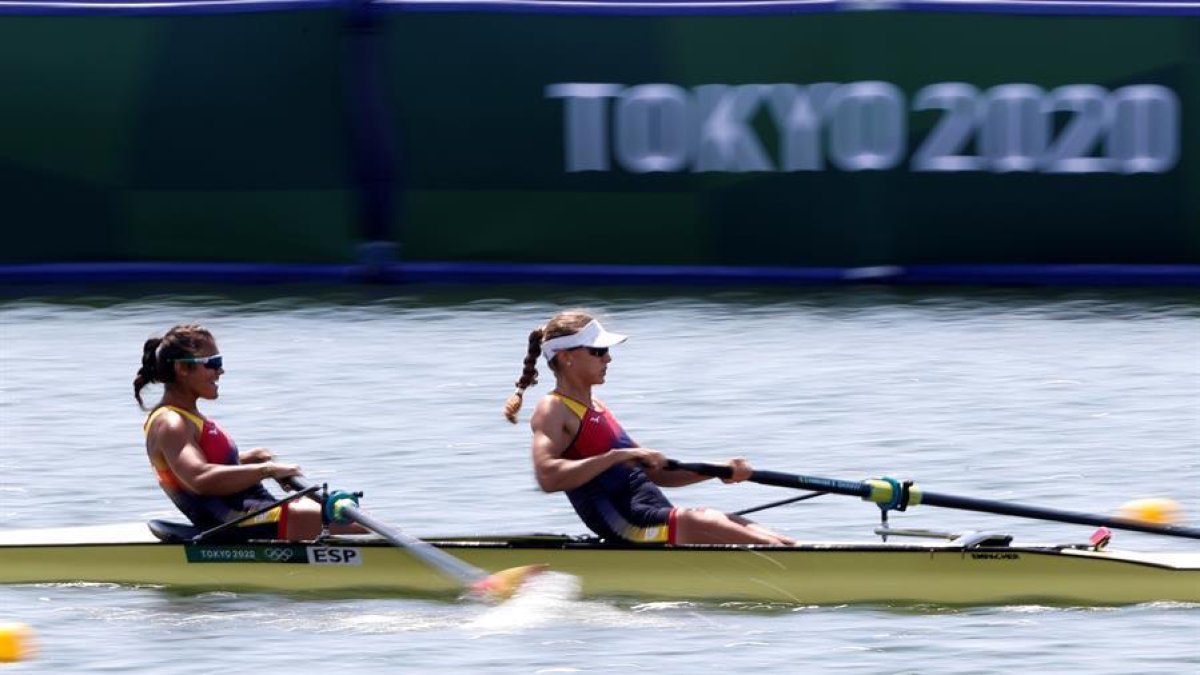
(172, 436)
(552, 433)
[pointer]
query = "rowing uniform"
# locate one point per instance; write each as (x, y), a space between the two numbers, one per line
(622, 503)
(207, 511)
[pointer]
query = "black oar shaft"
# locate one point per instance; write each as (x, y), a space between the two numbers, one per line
(840, 487)
(1040, 513)
(880, 492)
(778, 479)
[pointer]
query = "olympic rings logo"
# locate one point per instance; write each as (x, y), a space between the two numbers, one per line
(279, 554)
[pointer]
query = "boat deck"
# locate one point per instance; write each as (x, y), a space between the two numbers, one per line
(140, 533)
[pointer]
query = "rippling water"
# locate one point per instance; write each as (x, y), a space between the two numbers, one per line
(1079, 400)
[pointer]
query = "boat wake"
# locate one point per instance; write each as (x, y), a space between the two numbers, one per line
(552, 598)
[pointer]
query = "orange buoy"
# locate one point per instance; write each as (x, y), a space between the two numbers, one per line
(16, 642)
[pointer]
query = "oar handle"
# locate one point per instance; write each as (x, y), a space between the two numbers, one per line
(714, 470)
(298, 484)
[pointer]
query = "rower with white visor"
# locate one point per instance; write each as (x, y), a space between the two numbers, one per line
(580, 448)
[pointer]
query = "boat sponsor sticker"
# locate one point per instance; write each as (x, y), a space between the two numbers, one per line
(1000, 555)
(334, 555)
(289, 554)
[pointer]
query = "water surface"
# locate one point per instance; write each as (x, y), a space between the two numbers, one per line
(1076, 400)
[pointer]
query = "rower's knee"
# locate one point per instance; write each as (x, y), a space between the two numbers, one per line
(701, 516)
(709, 526)
(304, 521)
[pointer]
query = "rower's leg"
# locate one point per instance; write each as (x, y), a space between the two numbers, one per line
(782, 540)
(707, 526)
(304, 522)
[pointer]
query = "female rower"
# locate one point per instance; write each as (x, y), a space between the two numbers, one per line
(579, 448)
(197, 464)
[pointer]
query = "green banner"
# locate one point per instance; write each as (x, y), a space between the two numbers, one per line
(185, 138)
(819, 139)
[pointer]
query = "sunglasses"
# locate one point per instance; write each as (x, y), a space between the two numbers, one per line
(214, 362)
(598, 352)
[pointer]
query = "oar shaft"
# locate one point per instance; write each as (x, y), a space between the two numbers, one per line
(882, 492)
(1040, 513)
(778, 479)
(436, 557)
(840, 487)
(464, 572)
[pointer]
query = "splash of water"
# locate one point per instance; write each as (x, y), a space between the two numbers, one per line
(545, 597)
(555, 598)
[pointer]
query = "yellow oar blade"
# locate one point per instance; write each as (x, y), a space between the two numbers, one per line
(502, 585)
(1153, 510)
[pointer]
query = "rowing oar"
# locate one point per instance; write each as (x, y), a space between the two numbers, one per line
(343, 507)
(891, 494)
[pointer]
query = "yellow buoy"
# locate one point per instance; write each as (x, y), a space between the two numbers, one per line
(1153, 510)
(16, 642)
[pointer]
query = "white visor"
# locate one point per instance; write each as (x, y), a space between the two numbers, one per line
(592, 335)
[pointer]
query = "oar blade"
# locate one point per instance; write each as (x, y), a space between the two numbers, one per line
(1153, 511)
(504, 584)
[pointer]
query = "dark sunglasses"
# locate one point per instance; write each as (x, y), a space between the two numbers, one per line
(214, 362)
(598, 352)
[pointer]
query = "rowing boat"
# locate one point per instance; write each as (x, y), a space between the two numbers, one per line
(971, 569)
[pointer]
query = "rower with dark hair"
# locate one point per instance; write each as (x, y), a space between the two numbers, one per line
(197, 463)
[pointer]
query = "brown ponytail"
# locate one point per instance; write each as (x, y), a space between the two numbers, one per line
(529, 376)
(159, 355)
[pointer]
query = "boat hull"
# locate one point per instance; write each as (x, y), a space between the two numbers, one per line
(809, 574)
